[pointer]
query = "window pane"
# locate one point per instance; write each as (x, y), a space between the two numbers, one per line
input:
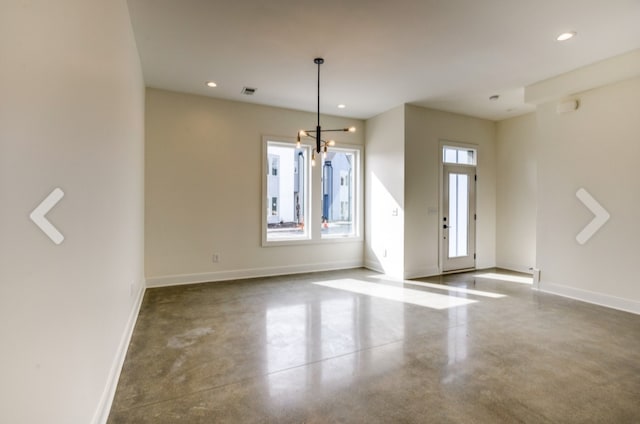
(450, 155)
(286, 192)
(459, 155)
(338, 193)
(458, 214)
(465, 157)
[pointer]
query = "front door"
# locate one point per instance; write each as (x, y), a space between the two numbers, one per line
(459, 217)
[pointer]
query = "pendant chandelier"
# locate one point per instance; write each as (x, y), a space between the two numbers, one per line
(321, 144)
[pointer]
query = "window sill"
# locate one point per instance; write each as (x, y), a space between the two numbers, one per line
(321, 241)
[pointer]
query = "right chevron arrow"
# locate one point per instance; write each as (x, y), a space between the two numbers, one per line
(601, 216)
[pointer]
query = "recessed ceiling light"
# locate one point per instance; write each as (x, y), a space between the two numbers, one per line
(494, 97)
(341, 106)
(566, 36)
(211, 84)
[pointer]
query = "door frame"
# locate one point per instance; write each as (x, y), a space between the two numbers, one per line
(441, 212)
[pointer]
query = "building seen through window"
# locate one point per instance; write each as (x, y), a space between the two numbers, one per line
(286, 192)
(288, 201)
(338, 193)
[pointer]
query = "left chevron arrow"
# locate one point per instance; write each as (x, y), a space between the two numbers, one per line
(38, 216)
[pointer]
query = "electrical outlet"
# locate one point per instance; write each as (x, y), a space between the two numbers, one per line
(215, 258)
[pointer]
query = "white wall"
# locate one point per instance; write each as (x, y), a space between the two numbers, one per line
(203, 191)
(403, 174)
(71, 116)
(516, 188)
(596, 148)
(425, 129)
(385, 181)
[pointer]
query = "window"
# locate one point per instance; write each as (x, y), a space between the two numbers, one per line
(458, 155)
(339, 171)
(291, 212)
(286, 192)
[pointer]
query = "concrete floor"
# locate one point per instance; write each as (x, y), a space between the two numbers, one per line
(288, 350)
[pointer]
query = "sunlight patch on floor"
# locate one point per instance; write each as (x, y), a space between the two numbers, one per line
(400, 294)
(444, 287)
(456, 289)
(506, 277)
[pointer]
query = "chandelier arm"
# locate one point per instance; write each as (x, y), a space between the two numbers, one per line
(321, 140)
(309, 132)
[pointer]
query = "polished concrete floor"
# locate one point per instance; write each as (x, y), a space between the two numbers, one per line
(355, 347)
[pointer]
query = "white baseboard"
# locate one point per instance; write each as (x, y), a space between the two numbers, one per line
(373, 266)
(106, 400)
(601, 299)
(525, 269)
(181, 279)
(483, 264)
(421, 273)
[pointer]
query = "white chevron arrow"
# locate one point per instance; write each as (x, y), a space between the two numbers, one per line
(601, 216)
(38, 216)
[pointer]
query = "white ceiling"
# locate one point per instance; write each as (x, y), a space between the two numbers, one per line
(444, 54)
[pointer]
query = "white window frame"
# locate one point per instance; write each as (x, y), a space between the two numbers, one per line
(266, 201)
(313, 189)
(357, 188)
(462, 147)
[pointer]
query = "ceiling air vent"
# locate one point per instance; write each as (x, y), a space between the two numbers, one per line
(248, 91)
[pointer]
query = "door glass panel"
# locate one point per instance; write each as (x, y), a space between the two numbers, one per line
(458, 214)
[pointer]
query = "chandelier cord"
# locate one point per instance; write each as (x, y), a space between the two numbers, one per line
(318, 61)
(319, 93)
